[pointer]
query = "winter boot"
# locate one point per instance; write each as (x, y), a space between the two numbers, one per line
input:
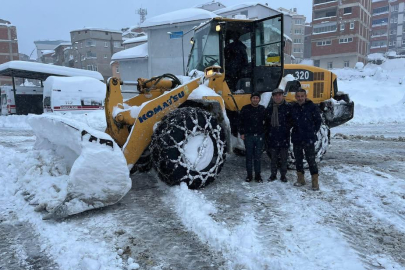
(258, 178)
(283, 178)
(315, 184)
(273, 177)
(300, 179)
(249, 178)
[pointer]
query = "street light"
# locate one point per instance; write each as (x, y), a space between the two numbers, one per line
(182, 46)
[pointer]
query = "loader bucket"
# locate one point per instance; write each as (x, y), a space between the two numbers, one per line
(99, 175)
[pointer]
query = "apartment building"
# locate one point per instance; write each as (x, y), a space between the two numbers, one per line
(307, 41)
(388, 31)
(8, 46)
(297, 33)
(340, 32)
(93, 48)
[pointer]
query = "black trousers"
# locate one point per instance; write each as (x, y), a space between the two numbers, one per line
(275, 153)
(254, 146)
(309, 150)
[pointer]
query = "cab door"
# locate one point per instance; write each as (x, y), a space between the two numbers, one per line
(268, 53)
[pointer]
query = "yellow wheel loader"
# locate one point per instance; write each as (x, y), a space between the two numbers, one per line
(182, 126)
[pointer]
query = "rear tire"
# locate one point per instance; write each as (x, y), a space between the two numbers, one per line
(321, 146)
(188, 146)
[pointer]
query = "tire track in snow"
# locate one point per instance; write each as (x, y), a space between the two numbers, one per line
(374, 229)
(150, 232)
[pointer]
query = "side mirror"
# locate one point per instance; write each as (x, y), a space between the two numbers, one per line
(292, 86)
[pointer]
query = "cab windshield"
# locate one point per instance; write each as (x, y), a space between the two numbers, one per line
(205, 50)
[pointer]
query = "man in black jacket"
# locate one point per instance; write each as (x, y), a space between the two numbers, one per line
(306, 124)
(277, 127)
(251, 129)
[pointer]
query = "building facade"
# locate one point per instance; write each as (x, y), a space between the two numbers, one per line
(340, 32)
(297, 33)
(8, 46)
(93, 48)
(59, 54)
(307, 41)
(45, 46)
(388, 31)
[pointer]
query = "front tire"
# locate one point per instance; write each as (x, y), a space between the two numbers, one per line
(188, 146)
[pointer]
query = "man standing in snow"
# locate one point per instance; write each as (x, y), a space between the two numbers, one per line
(277, 127)
(251, 129)
(306, 124)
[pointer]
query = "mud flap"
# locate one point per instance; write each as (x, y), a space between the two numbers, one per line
(99, 175)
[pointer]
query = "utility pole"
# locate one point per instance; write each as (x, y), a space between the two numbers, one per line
(142, 13)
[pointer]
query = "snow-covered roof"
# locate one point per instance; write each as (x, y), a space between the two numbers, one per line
(136, 39)
(47, 52)
(13, 68)
(97, 29)
(179, 16)
(6, 24)
(64, 44)
(140, 51)
(241, 6)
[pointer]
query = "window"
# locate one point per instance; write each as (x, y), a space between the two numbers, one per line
(81, 44)
(117, 44)
(317, 2)
(90, 43)
(345, 40)
(90, 54)
(380, 10)
(347, 10)
(317, 63)
(297, 40)
(323, 43)
(298, 21)
(297, 31)
(342, 26)
(393, 32)
(382, 21)
(92, 67)
(117, 69)
(346, 64)
(394, 20)
(390, 43)
(352, 25)
(330, 65)
(394, 8)
(403, 41)
(105, 56)
(394, 43)
(324, 28)
(325, 13)
(380, 32)
(106, 44)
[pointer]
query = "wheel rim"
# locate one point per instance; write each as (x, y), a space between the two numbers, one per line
(198, 151)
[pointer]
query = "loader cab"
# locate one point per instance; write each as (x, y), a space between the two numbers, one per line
(262, 41)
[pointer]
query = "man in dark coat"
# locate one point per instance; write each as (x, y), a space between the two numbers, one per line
(306, 124)
(251, 129)
(235, 60)
(277, 133)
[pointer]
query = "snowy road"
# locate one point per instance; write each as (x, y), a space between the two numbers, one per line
(356, 221)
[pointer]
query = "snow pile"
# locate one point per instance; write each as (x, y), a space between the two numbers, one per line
(71, 245)
(14, 121)
(378, 91)
(140, 51)
(85, 151)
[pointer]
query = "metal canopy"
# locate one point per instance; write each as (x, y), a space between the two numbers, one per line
(26, 74)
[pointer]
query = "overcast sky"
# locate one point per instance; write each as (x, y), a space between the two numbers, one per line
(53, 19)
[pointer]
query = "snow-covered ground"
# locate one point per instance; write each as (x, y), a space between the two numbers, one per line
(356, 221)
